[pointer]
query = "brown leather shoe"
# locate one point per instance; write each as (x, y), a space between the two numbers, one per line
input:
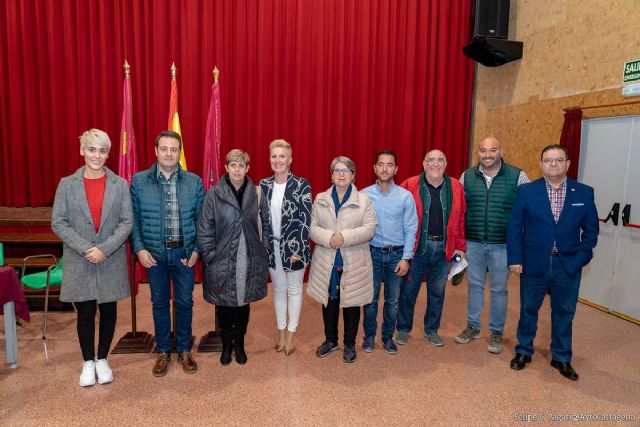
(162, 362)
(188, 364)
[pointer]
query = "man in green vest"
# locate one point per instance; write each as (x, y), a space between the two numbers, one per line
(490, 190)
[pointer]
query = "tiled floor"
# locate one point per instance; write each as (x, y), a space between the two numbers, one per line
(420, 386)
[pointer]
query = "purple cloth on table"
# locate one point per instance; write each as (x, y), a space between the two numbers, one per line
(11, 290)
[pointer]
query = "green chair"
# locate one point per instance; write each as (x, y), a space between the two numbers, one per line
(43, 279)
(1, 255)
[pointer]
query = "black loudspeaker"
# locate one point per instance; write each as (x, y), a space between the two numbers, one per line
(492, 19)
(493, 52)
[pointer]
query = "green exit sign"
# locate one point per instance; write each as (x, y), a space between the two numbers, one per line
(631, 71)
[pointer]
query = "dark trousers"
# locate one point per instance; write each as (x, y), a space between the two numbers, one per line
(233, 321)
(351, 319)
(87, 327)
(563, 298)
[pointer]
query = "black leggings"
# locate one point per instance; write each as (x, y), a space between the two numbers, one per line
(87, 327)
(351, 319)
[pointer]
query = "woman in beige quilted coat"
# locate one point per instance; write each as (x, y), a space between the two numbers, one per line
(343, 221)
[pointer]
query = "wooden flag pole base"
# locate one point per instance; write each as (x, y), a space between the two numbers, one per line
(134, 342)
(210, 342)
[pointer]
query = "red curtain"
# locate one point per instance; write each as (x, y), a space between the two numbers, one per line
(570, 138)
(332, 77)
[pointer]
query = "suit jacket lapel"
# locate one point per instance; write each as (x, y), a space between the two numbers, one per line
(544, 201)
(568, 200)
(80, 195)
(108, 200)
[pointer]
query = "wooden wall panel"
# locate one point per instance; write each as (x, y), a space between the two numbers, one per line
(574, 51)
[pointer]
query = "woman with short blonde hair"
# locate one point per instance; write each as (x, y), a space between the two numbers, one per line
(95, 260)
(289, 198)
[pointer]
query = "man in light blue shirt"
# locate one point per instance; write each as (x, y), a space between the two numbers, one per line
(391, 249)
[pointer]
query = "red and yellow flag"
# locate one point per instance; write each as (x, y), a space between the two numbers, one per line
(174, 118)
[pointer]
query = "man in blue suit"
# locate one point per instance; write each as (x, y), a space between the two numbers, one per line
(551, 233)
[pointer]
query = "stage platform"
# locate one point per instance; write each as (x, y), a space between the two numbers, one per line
(27, 231)
(25, 217)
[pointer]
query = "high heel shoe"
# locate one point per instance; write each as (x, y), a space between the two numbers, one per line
(281, 340)
(289, 345)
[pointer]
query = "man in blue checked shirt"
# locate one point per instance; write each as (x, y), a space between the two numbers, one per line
(391, 248)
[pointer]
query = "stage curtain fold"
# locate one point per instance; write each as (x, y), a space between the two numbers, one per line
(332, 77)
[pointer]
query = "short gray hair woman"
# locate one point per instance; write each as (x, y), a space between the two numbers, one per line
(343, 220)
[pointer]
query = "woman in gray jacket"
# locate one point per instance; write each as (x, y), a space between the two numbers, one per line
(233, 236)
(92, 216)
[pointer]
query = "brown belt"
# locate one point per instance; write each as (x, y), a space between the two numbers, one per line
(173, 244)
(555, 253)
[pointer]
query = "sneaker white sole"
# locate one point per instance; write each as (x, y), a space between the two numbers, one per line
(87, 383)
(463, 341)
(328, 352)
(402, 341)
(494, 350)
(437, 343)
(107, 381)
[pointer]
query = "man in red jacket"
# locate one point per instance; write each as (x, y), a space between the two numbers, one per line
(441, 207)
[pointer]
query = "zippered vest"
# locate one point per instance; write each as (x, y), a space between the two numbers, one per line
(488, 209)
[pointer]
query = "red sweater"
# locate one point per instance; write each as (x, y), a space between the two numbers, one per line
(94, 189)
(455, 225)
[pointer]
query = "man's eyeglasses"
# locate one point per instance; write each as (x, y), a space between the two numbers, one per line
(341, 171)
(551, 161)
(439, 161)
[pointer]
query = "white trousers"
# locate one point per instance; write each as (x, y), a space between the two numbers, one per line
(287, 293)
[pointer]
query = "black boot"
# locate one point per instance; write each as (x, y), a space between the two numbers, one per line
(227, 347)
(240, 322)
(238, 346)
(225, 325)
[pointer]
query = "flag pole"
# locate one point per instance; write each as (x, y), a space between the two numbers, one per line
(134, 341)
(174, 125)
(211, 341)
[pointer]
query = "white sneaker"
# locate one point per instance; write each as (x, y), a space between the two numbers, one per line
(105, 374)
(88, 375)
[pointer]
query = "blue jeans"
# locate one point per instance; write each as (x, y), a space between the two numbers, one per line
(563, 296)
(492, 257)
(160, 278)
(432, 261)
(384, 264)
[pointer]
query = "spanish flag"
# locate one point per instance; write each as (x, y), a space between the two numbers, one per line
(174, 119)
